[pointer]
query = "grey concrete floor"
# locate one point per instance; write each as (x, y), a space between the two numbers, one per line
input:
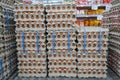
(110, 76)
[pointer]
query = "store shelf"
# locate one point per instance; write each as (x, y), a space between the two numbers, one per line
(97, 5)
(82, 15)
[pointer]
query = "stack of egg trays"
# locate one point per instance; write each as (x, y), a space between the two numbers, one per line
(106, 19)
(114, 2)
(7, 3)
(8, 61)
(61, 48)
(92, 52)
(60, 17)
(30, 40)
(61, 53)
(29, 17)
(114, 49)
(114, 36)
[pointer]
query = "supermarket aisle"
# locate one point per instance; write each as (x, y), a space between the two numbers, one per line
(111, 76)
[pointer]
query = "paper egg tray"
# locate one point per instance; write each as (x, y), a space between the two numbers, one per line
(98, 73)
(62, 64)
(31, 26)
(30, 42)
(92, 41)
(7, 2)
(114, 51)
(114, 61)
(29, 17)
(7, 39)
(31, 8)
(92, 65)
(105, 20)
(32, 65)
(59, 25)
(61, 40)
(61, 17)
(9, 61)
(114, 2)
(112, 19)
(60, 8)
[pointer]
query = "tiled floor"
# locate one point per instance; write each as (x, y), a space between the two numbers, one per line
(111, 76)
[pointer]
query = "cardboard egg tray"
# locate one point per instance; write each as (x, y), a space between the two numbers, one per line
(114, 51)
(114, 61)
(9, 3)
(105, 20)
(63, 72)
(60, 60)
(7, 40)
(114, 36)
(92, 57)
(29, 17)
(30, 42)
(114, 2)
(92, 65)
(31, 64)
(60, 8)
(60, 16)
(91, 39)
(98, 73)
(29, 8)
(61, 40)
(62, 64)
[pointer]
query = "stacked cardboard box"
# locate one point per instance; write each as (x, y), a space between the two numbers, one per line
(8, 59)
(30, 40)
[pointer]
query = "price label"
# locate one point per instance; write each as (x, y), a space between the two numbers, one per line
(108, 7)
(94, 7)
(99, 17)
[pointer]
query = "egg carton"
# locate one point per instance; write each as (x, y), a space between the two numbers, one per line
(62, 71)
(26, 27)
(29, 17)
(113, 61)
(32, 72)
(60, 8)
(26, 7)
(28, 23)
(61, 35)
(59, 17)
(62, 63)
(56, 26)
(88, 51)
(91, 57)
(7, 4)
(62, 55)
(114, 2)
(30, 64)
(32, 37)
(92, 64)
(97, 73)
(62, 45)
(28, 13)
